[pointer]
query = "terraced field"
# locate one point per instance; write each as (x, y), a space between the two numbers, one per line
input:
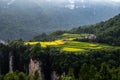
(45, 44)
(67, 43)
(74, 46)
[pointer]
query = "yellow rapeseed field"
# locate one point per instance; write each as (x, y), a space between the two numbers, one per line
(31, 43)
(71, 39)
(72, 49)
(45, 44)
(92, 45)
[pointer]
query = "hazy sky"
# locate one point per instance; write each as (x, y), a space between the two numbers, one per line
(85, 0)
(72, 2)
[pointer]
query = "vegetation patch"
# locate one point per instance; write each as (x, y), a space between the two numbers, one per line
(45, 44)
(72, 49)
(67, 43)
(93, 45)
(75, 46)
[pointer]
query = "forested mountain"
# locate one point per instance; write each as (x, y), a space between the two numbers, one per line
(107, 32)
(62, 50)
(27, 18)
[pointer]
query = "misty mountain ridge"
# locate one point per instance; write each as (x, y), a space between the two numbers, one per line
(27, 18)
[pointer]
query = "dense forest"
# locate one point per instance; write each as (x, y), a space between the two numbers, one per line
(92, 65)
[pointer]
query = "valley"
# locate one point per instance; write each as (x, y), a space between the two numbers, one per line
(59, 40)
(27, 18)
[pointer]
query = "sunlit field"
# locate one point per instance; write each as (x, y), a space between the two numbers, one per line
(45, 44)
(67, 43)
(68, 49)
(71, 46)
(74, 46)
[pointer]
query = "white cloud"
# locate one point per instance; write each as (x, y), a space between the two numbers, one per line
(109, 1)
(71, 6)
(10, 2)
(104, 1)
(48, 0)
(72, 1)
(116, 1)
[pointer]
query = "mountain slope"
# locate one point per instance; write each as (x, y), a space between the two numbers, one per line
(107, 32)
(26, 18)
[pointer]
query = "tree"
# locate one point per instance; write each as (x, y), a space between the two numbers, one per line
(36, 52)
(11, 76)
(71, 74)
(22, 76)
(4, 59)
(46, 63)
(98, 77)
(17, 49)
(37, 75)
(105, 71)
(29, 77)
(84, 72)
(92, 72)
(1, 77)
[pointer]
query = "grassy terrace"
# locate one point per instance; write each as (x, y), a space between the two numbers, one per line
(66, 43)
(74, 46)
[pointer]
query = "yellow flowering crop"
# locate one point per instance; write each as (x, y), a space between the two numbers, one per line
(45, 44)
(31, 43)
(72, 49)
(92, 45)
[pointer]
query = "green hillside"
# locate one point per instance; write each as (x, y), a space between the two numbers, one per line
(71, 45)
(107, 32)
